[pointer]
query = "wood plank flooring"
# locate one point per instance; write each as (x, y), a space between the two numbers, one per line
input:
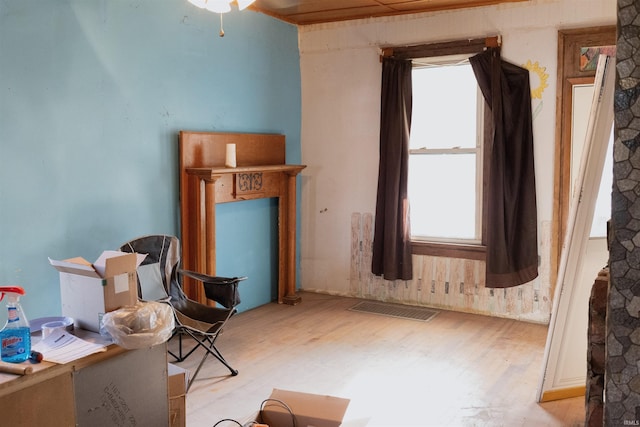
(455, 370)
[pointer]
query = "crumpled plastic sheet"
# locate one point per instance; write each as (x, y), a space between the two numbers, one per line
(144, 325)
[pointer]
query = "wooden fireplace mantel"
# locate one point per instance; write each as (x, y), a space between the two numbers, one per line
(205, 182)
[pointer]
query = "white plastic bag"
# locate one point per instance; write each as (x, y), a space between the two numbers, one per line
(144, 325)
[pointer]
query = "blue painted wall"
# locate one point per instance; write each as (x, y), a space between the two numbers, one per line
(93, 94)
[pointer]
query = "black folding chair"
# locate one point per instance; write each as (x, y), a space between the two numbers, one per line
(159, 280)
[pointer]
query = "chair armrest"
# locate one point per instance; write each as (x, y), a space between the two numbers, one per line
(205, 278)
(223, 290)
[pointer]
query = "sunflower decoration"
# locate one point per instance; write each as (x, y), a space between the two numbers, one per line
(542, 76)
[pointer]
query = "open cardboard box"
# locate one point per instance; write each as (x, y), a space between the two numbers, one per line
(87, 290)
(309, 410)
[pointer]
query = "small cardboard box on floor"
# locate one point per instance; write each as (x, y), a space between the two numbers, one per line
(87, 291)
(309, 410)
(177, 384)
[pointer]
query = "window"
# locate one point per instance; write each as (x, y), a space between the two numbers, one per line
(446, 152)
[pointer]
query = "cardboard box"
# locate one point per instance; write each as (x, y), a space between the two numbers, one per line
(309, 410)
(178, 379)
(87, 291)
(126, 390)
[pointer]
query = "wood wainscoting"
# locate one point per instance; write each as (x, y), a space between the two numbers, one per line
(442, 282)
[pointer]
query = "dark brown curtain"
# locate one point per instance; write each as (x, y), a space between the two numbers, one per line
(511, 232)
(392, 239)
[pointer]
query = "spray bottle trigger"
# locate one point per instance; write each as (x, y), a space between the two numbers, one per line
(11, 290)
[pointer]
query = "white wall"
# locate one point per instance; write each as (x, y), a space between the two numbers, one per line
(340, 72)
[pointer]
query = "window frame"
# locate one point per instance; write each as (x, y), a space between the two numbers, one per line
(465, 250)
(476, 150)
(468, 46)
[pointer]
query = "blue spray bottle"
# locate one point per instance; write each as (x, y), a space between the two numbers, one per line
(15, 337)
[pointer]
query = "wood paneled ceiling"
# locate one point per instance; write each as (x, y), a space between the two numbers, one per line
(303, 12)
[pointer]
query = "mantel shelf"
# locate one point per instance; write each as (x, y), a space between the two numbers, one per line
(213, 171)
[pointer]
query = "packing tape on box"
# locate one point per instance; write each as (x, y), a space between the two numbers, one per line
(49, 327)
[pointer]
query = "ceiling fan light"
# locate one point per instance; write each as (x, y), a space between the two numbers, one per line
(218, 6)
(242, 4)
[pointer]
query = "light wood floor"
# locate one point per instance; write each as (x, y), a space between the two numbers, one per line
(455, 370)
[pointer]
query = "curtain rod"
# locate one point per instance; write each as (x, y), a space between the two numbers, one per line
(440, 49)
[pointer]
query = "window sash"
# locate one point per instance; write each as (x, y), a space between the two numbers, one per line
(426, 176)
(478, 152)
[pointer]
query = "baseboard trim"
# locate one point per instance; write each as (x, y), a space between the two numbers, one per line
(563, 393)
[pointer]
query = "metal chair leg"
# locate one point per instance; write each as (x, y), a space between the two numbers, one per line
(210, 349)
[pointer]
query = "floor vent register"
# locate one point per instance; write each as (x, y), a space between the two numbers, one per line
(395, 310)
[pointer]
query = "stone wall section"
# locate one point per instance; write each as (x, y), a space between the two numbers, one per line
(622, 378)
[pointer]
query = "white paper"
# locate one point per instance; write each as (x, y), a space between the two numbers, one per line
(64, 347)
(121, 283)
